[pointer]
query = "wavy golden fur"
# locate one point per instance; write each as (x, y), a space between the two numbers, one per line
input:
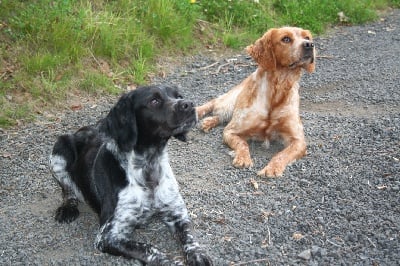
(266, 104)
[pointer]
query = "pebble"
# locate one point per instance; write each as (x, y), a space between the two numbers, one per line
(305, 255)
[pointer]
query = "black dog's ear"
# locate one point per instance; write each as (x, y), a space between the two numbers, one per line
(120, 123)
(181, 137)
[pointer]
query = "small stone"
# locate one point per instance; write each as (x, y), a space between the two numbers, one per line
(315, 250)
(305, 255)
(320, 219)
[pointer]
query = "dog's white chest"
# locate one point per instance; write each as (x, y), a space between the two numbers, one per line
(151, 188)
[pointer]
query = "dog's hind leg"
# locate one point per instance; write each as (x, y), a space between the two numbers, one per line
(68, 211)
(62, 155)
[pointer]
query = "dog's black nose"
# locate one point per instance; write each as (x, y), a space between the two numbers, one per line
(185, 105)
(308, 45)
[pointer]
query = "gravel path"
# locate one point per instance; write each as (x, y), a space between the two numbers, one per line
(338, 205)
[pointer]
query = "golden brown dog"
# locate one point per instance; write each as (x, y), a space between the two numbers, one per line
(266, 104)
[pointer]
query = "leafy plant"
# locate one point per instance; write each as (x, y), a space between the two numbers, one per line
(50, 49)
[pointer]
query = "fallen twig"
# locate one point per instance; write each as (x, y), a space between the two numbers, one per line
(221, 66)
(213, 64)
(325, 56)
(333, 243)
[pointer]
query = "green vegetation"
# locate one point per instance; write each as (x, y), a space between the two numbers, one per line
(50, 50)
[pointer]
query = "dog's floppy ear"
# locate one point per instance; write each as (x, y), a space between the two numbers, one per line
(311, 67)
(120, 123)
(262, 51)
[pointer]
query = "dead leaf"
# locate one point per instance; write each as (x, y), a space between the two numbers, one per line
(76, 107)
(6, 155)
(266, 214)
(227, 238)
(220, 220)
(254, 183)
(59, 77)
(297, 236)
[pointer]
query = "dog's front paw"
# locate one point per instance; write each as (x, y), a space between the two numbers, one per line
(198, 257)
(273, 169)
(66, 214)
(242, 161)
(209, 123)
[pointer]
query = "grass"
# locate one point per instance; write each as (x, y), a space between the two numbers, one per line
(50, 50)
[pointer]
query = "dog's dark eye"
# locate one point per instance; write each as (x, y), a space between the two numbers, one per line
(155, 102)
(179, 96)
(286, 39)
(307, 38)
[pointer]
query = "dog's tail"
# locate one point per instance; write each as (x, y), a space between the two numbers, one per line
(205, 109)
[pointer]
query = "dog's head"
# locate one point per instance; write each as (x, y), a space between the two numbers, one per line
(149, 115)
(287, 47)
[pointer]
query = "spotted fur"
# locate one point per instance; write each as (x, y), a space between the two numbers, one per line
(120, 167)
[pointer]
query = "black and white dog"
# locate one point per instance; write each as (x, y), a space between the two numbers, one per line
(120, 167)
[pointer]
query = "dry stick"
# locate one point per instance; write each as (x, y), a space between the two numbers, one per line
(333, 243)
(249, 262)
(95, 59)
(3, 75)
(213, 64)
(269, 236)
(325, 56)
(221, 66)
(203, 21)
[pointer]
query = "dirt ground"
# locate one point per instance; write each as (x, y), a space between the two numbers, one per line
(339, 205)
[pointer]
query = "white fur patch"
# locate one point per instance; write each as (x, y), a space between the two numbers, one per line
(58, 165)
(136, 202)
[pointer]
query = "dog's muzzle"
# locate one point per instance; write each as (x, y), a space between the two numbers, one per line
(185, 106)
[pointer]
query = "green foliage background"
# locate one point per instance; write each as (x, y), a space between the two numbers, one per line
(50, 50)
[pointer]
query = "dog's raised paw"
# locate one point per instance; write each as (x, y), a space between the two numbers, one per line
(66, 214)
(209, 123)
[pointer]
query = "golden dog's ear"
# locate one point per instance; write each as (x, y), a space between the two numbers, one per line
(262, 51)
(311, 67)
